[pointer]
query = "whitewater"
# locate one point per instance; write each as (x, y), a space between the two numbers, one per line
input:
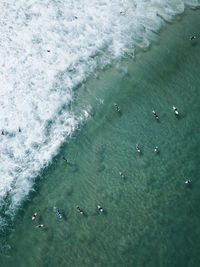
(47, 48)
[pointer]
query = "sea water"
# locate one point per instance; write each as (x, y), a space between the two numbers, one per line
(38, 96)
(47, 49)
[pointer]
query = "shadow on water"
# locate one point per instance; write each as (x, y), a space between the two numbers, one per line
(64, 217)
(120, 113)
(179, 117)
(73, 166)
(189, 186)
(45, 229)
(194, 43)
(85, 214)
(101, 167)
(98, 213)
(104, 213)
(140, 154)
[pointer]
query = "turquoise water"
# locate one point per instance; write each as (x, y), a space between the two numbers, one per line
(151, 217)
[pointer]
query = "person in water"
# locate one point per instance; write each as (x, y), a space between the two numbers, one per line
(117, 107)
(34, 216)
(65, 159)
(39, 226)
(122, 13)
(100, 208)
(175, 110)
(59, 213)
(79, 210)
(156, 148)
(192, 37)
(121, 174)
(155, 115)
(187, 181)
(138, 148)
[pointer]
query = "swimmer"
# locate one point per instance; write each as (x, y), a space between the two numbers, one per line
(187, 181)
(2, 132)
(59, 213)
(155, 115)
(20, 130)
(138, 148)
(192, 38)
(100, 208)
(39, 226)
(34, 216)
(156, 148)
(79, 210)
(175, 110)
(117, 107)
(121, 174)
(65, 159)
(122, 13)
(48, 51)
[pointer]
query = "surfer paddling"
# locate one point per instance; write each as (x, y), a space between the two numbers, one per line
(117, 107)
(100, 208)
(34, 216)
(155, 114)
(137, 148)
(192, 37)
(58, 212)
(39, 226)
(79, 210)
(175, 110)
(65, 159)
(122, 175)
(122, 13)
(156, 149)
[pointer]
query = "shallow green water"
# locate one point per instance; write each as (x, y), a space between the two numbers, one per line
(151, 217)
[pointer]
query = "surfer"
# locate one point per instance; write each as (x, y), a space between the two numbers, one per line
(192, 37)
(34, 216)
(2, 132)
(175, 110)
(122, 13)
(59, 213)
(156, 148)
(138, 148)
(117, 107)
(39, 226)
(188, 181)
(79, 210)
(100, 208)
(121, 174)
(20, 130)
(155, 115)
(65, 159)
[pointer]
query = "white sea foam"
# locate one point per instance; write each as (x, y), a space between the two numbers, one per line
(37, 85)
